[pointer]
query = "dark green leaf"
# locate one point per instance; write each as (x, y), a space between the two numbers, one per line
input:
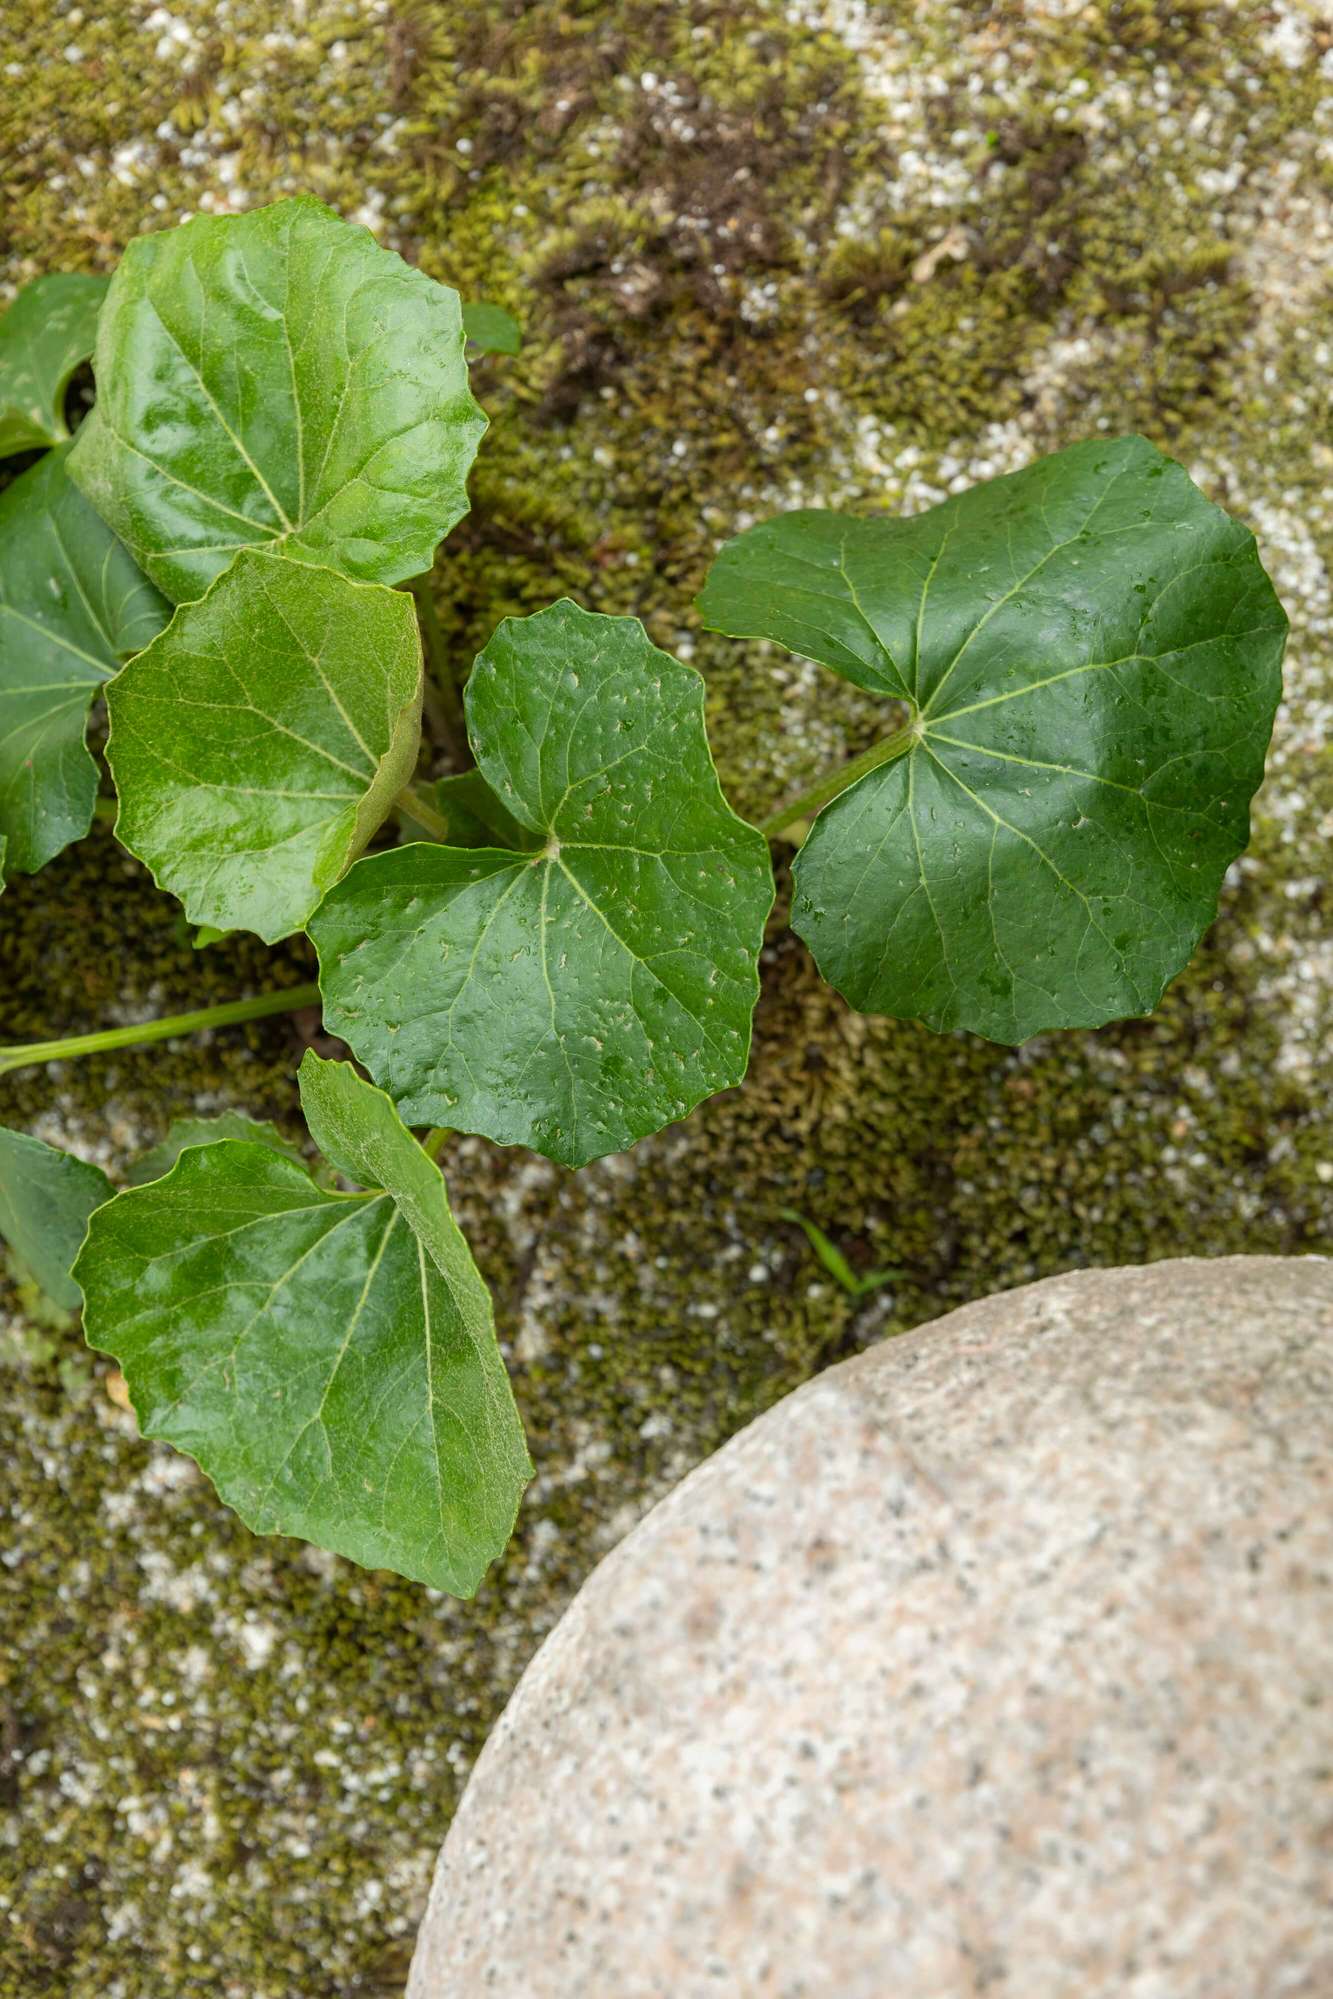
(186, 1131)
(46, 333)
(1090, 653)
(491, 329)
(259, 742)
(329, 1359)
(72, 605)
(277, 378)
(476, 818)
(46, 1197)
(580, 996)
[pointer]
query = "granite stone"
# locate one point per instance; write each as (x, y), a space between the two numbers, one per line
(997, 1660)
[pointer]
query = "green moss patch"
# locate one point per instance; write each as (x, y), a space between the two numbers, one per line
(763, 255)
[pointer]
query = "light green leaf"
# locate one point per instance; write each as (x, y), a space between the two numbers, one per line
(277, 378)
(186, 1131)
(46, 1197)
(329, 1359)
(259, 742)
(72, 604)
(578, 997)
(491, 329)
(476, 818)
(1089, 653)
(44, 336)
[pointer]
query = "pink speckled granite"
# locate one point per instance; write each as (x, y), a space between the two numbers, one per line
(996, 1661)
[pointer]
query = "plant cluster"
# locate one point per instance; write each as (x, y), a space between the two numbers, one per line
(1079, 665)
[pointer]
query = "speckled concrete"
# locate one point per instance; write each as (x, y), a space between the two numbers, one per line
(997, 1660)
(226, 1765)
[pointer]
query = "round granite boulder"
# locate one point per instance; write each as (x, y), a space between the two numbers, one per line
(998, 1660)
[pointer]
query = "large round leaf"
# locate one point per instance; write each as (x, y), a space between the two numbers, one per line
(259, 742)
(576, 997)
(48, 330)
(277, 377)
(329, 1359)
(72, 606)
(1089, 654)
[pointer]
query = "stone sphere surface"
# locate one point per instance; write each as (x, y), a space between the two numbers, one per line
(998, 1660)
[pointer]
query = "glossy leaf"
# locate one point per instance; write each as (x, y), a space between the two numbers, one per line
(277, 378)
(1090, 652)
(46, 1197)
(72, 605)
(45, 335)
(577, 997)
(186, 1131)
(259, 742)
(491, 329)
(329, 1359)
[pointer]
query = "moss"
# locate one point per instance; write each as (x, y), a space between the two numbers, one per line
(842, 259)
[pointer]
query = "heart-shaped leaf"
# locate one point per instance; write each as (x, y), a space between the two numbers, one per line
(1089, 655)
(329, 1359)
(578, 997)
(186, 1131)
(72, 605)
(258, 743)
(46, 1197)
(277, 377)
(45, 335)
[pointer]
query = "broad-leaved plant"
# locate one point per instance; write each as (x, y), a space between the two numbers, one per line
(556, 946)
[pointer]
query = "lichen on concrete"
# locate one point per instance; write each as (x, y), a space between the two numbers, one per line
(828, 252)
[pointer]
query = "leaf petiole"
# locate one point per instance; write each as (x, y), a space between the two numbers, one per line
(415, 807)
(807, 803)
(22, 1054)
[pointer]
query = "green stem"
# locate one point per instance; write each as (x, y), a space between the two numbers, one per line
(446, 706)
(809, 802)
(433, 1143)
(413, 806)
(24, 1053)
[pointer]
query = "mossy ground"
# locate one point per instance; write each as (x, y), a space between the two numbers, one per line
(841, 253)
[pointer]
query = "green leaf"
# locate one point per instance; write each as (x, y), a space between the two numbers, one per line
(491, 329)
(833, 1260)
(578, 997)
(259, 742)
(1089, 653)
(72, 604)
(46, 1197)
(277, 378)
(187, 1131)
(46, 334)
(475, 816)
(330, 1360)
